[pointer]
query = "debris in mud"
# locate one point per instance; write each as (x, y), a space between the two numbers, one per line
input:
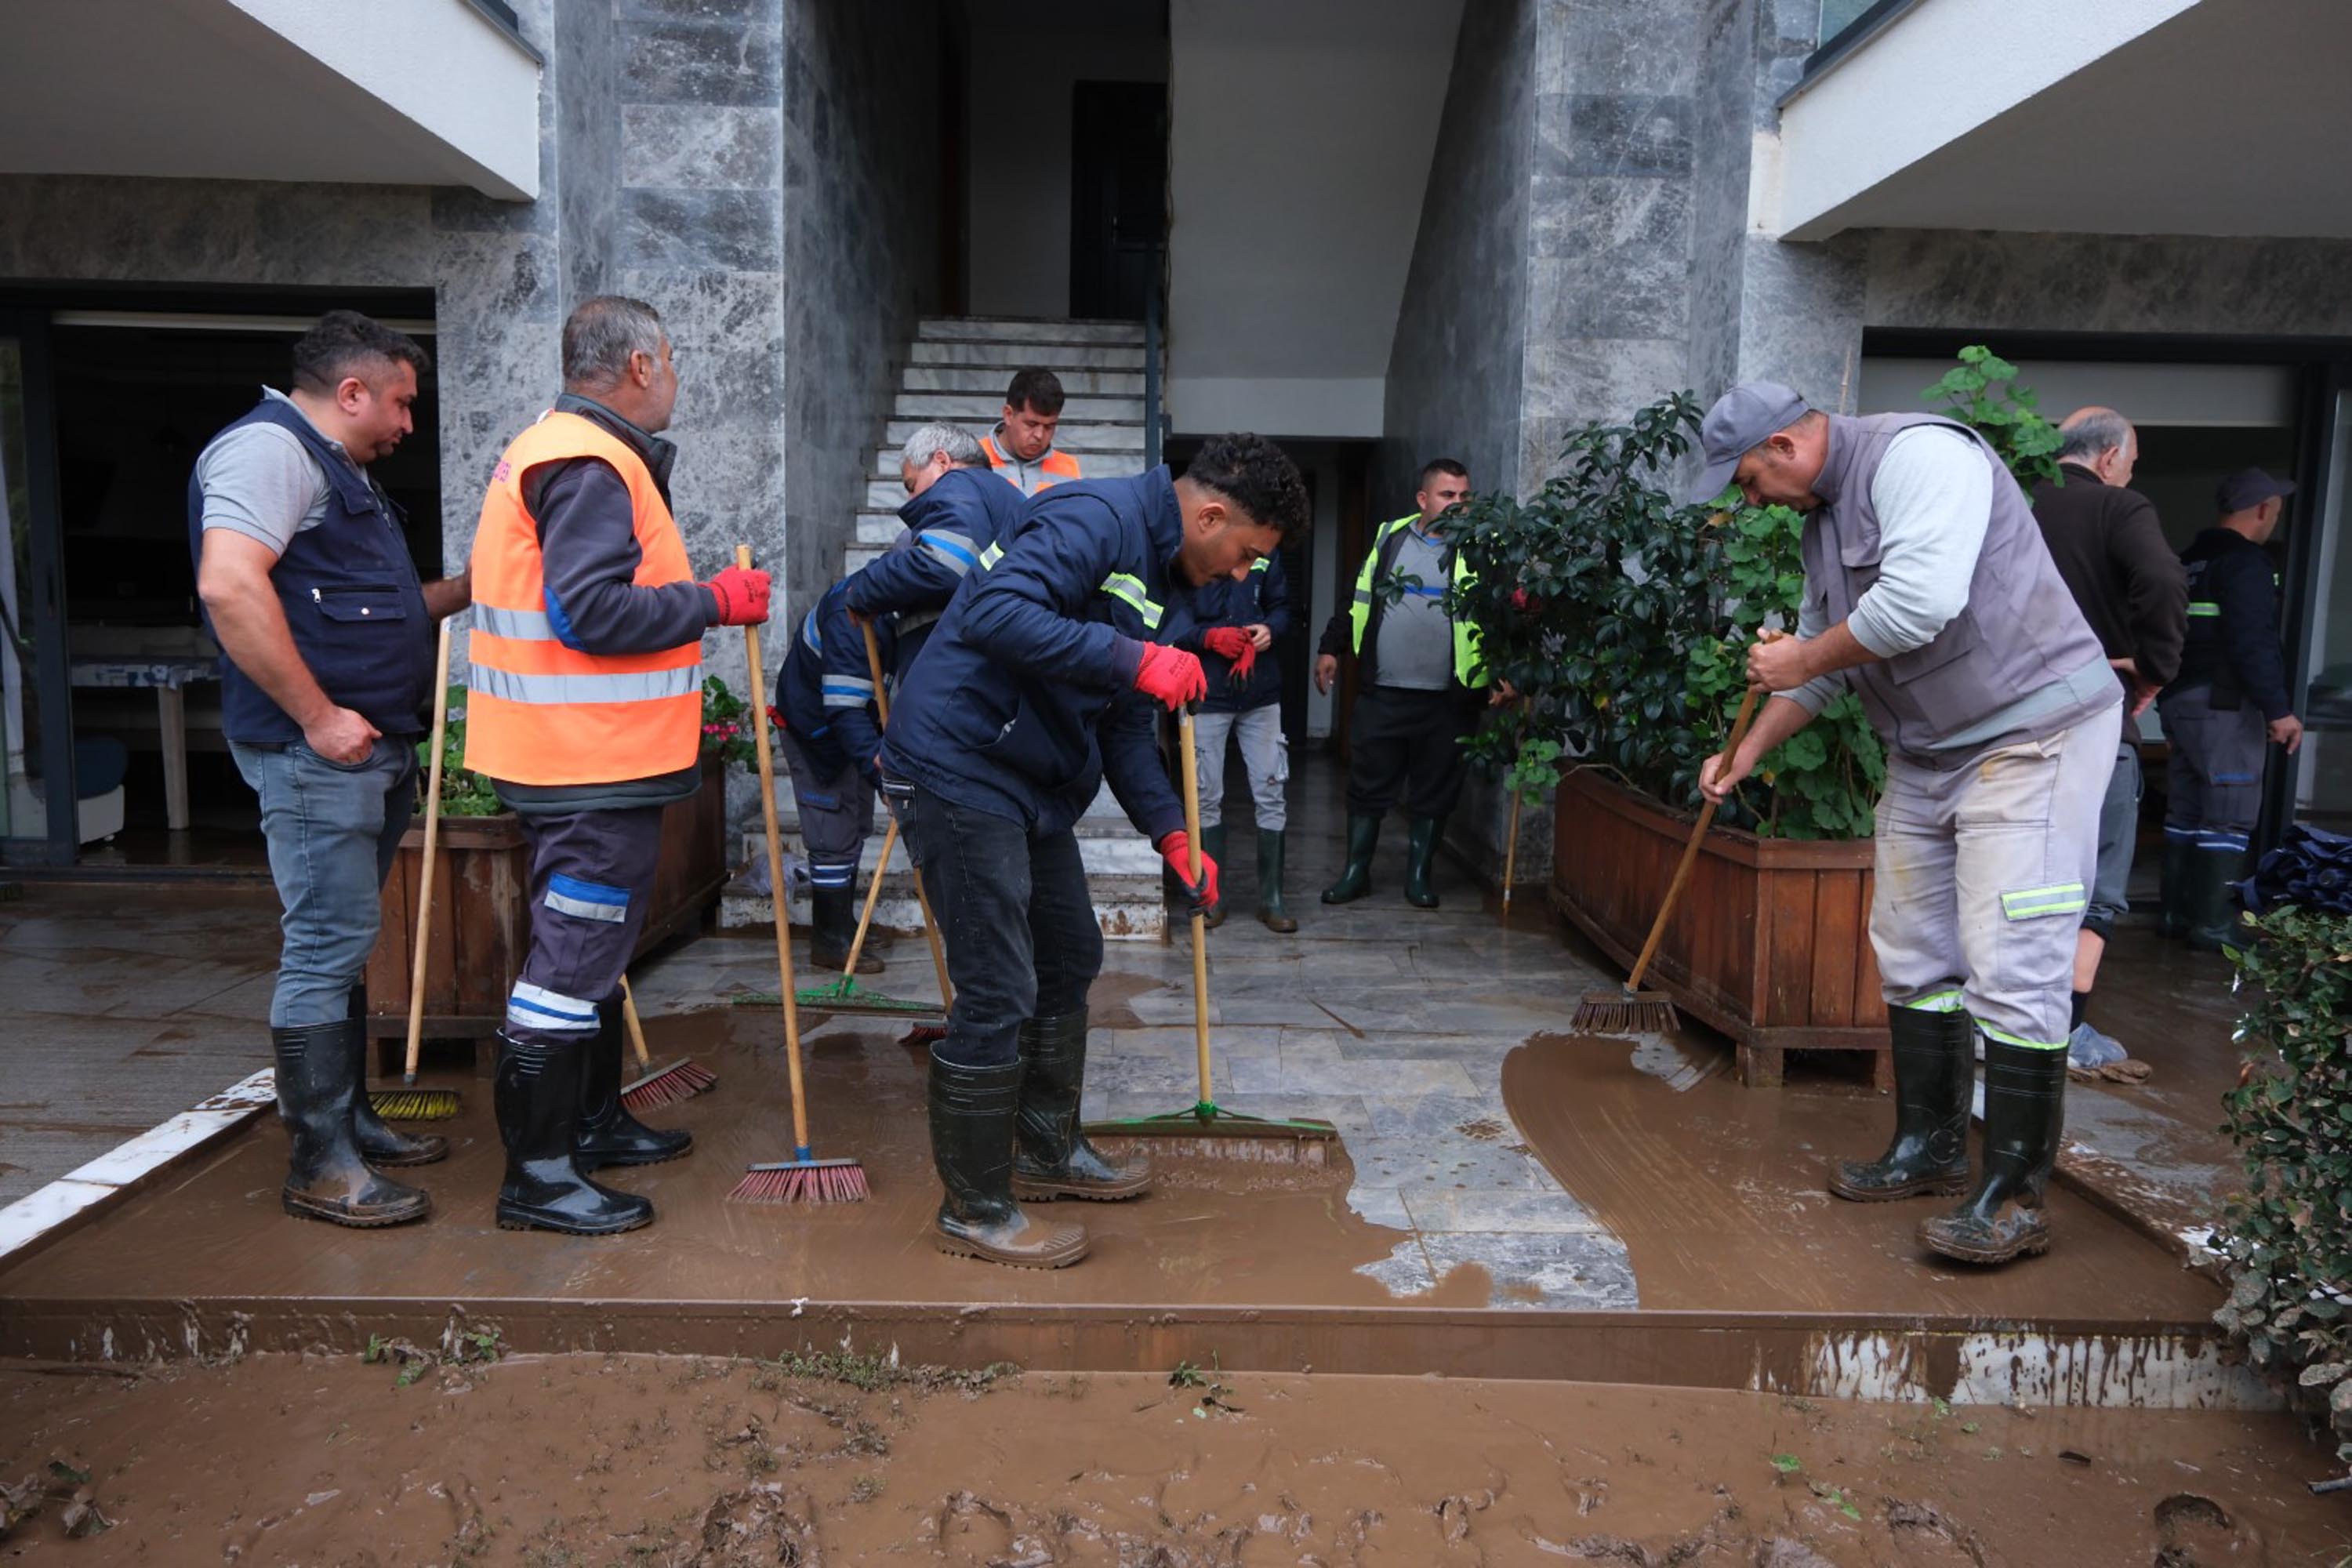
(758, 1526)
(1485, 1128)
(68, 1485)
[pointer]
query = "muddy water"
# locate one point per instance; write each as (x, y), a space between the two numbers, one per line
(1249, 1236)
(1717, 1190)
(595, 1460)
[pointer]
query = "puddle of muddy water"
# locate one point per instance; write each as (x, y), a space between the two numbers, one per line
(589, 1459)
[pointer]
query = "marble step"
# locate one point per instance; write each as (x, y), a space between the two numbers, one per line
(990, 380)
(1029, 330)
(1095, 462)
(877, 527)
(978, 410)
(886, 495)
(1101, 436)
(1006, 357)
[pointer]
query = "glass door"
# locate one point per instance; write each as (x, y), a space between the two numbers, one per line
(38, 822)
(2323, 784)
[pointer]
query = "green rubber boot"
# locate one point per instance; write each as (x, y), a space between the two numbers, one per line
(1363, 838)
(2025, 1113)
(2172, 918)
(1421, 861)
(1212, 845)
(1270, 912)
(1935, 1078)
(2212, 906)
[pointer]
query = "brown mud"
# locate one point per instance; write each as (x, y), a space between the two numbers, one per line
(593, 1460)
(1250, 1234)
(1717, 1190)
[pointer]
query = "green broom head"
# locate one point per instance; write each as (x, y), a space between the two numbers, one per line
(412, 1104)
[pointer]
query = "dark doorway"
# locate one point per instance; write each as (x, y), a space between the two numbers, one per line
(1119, 196)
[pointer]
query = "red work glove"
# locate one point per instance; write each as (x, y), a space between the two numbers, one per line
(1235, 644)
(1171, 676)
(742, 597)
(1177, 850)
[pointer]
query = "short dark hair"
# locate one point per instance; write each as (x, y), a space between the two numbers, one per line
(344, 343)
(1038, 391)
(1446, 466)
(1256, 475)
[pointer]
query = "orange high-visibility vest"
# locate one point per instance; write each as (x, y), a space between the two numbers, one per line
(538, 712)
(1056, 466)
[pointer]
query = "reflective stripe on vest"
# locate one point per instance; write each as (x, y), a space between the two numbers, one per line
(2203, 608)
(1128, 588)
(1052, 468)
(542, 712)
(990, 556)
(1466, 668)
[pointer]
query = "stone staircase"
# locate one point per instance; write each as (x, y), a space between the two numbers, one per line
(955, 371)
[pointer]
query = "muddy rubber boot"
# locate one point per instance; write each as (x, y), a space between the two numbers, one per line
(2025, 1110)
(973, 1111)
(1212, 845)
(320, 1079)
(384, 1147)
(608, 1134)
(1052, 1158)
(2211, 906)
(1421, 838)
(833, 926)
(1934, 1070)
(1363, 838)
(1270, 912)
(537, 1095)
(2172, 915)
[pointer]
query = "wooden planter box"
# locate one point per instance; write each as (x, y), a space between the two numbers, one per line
(1769, 943)
(481, 914)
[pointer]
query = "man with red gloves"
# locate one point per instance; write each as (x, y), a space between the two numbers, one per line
(1239, 623)
(1037, 684)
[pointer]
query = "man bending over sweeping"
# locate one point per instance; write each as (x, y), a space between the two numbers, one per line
(955, 509)
(1037, 685)
(832, 742)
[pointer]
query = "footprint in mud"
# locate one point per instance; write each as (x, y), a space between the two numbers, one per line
(2192, 1531)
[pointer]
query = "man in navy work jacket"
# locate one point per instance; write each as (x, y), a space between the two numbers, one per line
(326, 683)
(955, 510)
(1038, 683)
(1238, 625)
(833, 735)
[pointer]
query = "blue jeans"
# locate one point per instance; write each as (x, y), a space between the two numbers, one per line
(333, 830)
(1016, 918)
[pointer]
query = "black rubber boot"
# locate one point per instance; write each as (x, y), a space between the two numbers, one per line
(1934, 1070)
(2212, 904)
(1363, 838)
(972, 1113)
(1422, 837)
(1270, 912)
(608, 1134)
(537, 1095)
(1052, 1158)
(384, 1147)
(2172, 917)
(1212, 845)
(321, 1080)
(833, 926)
(2025, 1110)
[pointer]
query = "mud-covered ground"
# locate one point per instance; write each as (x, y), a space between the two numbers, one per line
(450, 1459)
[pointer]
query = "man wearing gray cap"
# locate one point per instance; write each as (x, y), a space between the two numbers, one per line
(1930, 595)
(2228, 702)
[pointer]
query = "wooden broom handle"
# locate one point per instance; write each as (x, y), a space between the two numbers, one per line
(636, 1025)
(775, 874)
(1690, 850)
(432, 847)
(1189, 764)
(1511, 845)
(930, 926)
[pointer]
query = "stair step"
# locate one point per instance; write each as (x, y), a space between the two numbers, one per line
(1098, 437)
(978, 410)
(1096, 462)
(990, 380)
(1027, 330)
(1005, 356)
(879, 527)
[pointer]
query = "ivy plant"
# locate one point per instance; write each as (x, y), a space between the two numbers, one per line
(1981, 392)
(2288, 1237)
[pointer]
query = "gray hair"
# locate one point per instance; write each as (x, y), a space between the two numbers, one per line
(960, 445)
(2092, 434)
(601, 334)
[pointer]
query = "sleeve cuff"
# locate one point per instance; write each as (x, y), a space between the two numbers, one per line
(1814, 694)
(1125, 659)
(1879, 640)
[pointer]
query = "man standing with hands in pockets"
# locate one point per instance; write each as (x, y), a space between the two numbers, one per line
(1930, 595)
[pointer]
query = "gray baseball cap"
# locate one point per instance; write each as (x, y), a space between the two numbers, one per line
(1737, 424)
(2248, 488)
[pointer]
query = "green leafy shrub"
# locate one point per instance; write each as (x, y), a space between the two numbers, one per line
(2288, 1238)
(1981, 392)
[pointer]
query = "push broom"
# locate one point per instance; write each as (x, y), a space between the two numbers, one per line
(804, 1178)
(408, 1102)
(1206, 1127)
(1629, 1010)
(667, 1084)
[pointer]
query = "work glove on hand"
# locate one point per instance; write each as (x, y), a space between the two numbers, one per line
(1235, 644)
(741, 594)
(1177, 850)
(1171, 676)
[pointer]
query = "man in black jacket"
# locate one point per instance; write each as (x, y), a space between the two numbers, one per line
(2109, 547)
(2230, 699)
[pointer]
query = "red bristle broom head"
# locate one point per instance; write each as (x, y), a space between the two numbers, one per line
(802, 1181)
